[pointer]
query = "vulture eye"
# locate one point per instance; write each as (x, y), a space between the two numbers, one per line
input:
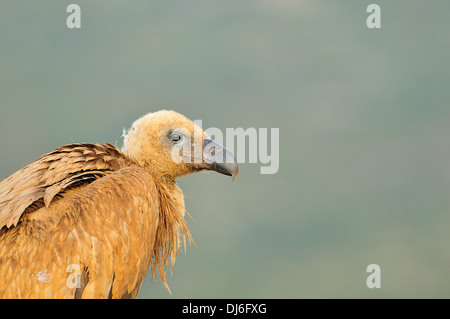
(175, 137)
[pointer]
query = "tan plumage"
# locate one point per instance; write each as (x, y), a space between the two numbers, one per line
(99, 213)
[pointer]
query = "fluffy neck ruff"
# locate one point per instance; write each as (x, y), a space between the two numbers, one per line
(171, 227)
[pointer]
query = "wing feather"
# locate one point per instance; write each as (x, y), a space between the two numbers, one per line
(53, 173)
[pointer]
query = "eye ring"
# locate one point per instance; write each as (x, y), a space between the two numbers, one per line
(175, 137)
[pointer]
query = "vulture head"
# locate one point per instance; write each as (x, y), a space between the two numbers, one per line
(168, 145)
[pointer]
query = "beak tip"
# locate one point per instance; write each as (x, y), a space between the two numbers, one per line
(235, 174)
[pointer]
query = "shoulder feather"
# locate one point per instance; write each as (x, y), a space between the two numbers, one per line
(45, 180)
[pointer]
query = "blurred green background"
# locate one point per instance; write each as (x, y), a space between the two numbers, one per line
(364, 131)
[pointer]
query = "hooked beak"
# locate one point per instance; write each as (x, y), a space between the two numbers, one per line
(219, 159)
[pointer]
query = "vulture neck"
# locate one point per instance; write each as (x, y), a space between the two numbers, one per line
(171, 227)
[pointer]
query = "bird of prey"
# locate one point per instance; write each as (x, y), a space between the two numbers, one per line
(88, 220)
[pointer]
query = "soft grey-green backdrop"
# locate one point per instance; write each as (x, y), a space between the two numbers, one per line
(363, 116)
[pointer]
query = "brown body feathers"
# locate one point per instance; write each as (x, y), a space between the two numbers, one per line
(56, 239)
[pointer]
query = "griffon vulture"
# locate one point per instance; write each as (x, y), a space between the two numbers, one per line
(87, 221)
